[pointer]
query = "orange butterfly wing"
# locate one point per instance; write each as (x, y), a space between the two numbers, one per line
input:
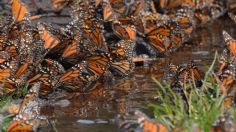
(50, 41)
(228, 80)
(5, 73)
(193, 69)
(73, 73)
(22, 69)
(123, 67)
(70, 50)
(108, 14)
(98, 63)
(232, 47)
(75, 79)
(126, 32)
(149, 125)
(122, 56)
(16, 127)
(228, 101)
(176, 40)
(118, 6)
(230, 42)
(97, 38)
(19, 10)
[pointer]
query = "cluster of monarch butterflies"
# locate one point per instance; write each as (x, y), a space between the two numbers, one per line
(227, 66)
(80, 53)
(73, 57)
(183, 73)
(179, 76)
(161, 31)
(76, 56)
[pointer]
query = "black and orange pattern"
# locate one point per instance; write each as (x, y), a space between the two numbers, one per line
(77, 55)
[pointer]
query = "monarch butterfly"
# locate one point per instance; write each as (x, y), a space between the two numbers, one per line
(181, 73)
(222, 63)
(119, 6)
(28, 118)
(132, 21)
(169, 4)
(98, 2)
(227, 78)
(137, 8)
(230, 42)
(65, 41)
(91, 23)
(122, 55)
(124, 20)
(124, 32)
(13, 72)
(185, 21)
(71, 50)
(175, 71)
(97, 38)
(150, 22)
(123, 49)
(159, 38)
(193, 69)
(177, 39)
(97, 64)
(86, 11)
(50, 41)
(139, 25)
(48, 76)
(7, 66)
(19, 10)
(76, 78)
(122, 67)
(228, 101)
(226, 60)
(148, 125)
(24, 66)
(13, 31)
(127, 8)
(194, 72)
(108, 13)
(73, 73)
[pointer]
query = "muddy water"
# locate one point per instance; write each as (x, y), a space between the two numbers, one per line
(97, 110)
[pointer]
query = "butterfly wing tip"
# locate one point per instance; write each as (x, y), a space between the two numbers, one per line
(224, 32)
(226, 35)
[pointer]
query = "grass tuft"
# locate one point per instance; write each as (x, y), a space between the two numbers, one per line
(200, 106)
